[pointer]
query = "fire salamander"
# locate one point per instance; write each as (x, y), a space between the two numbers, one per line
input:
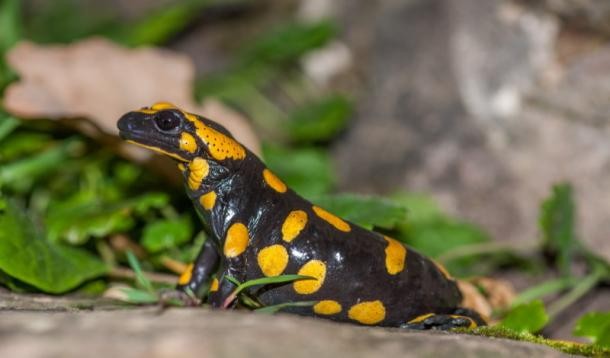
(259, 227)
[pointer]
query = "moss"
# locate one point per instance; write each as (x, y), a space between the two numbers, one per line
(588, 350)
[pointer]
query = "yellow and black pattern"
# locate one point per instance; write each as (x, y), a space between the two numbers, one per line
(260, 227)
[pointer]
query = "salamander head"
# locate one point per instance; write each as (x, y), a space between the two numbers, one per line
(166, 129)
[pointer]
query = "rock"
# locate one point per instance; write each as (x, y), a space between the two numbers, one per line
(203, 333)
(594, 14)
(477, 110)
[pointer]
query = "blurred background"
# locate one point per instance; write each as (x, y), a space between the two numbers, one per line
(475, 130)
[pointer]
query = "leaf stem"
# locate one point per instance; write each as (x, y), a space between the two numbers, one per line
(579, 290)
(484, 248)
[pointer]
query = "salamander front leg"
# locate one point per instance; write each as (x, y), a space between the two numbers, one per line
(199, 273)
(192, 284)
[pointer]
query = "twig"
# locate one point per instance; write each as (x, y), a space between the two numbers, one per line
(125, 273)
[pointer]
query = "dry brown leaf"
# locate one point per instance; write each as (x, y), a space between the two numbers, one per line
(474, 300)
(99, 80)
(499, 293)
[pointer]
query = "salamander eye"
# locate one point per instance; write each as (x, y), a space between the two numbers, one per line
(167, 121)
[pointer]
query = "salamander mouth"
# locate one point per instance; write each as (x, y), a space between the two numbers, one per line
(145, 141)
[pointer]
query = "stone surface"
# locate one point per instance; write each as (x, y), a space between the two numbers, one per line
(594, 14)
(470, 101)
(202, 333)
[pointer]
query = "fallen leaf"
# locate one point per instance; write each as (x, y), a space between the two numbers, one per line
(499, 293)
(98, 80)
(474, 300)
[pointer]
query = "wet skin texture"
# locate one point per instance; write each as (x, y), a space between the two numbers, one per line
(259, 227)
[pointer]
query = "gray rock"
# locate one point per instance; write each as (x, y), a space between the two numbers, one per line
(594, 14)
(466, 100)
(203, 333)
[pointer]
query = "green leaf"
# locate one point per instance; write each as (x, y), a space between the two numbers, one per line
(267, 281)
(7, 125)
(63, 21)
(557, 225)
(545, 288)
(436, 237)
(160, 25)
(433, 233)
(595, 326)
(165, 234)
(10, 33)
(10, 24)
(21, 173)
(420, 207)
(140, 278)
(28, 257)
(287, 43)
(259, 282)
(278, 307)
(78, 219)
(319, 121)
(526, 318)
(136, 296)
(20, 145)
(366, 211)
(307, 171)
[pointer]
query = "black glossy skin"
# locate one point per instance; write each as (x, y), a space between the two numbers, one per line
(355, 260)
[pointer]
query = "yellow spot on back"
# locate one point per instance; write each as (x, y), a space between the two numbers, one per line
(443, 270)
(219, 145)
(273, 260)
(327, 307)
(315, 269)
(331, 219)
(208, 200)
(294, 223)
(181, 167)
(368, 312)
(236, 240)
(273, 181)
(421, 318)
(214, 285)
(395, 255)
(162, 105)
(199, 169)
(188, 143)
(185, 277)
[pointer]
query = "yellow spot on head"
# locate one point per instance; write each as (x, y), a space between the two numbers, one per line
(219, 145)
(294, 223)
(199, 169)
(395, 255)
(327, 307)
(368, 312)
(273, 181)
(208, 200)
(186, 275)
(273, 260)
(214, 285)
(188, 143)
(332, 219)
(236, 241)
(421, 318)
(315, 269)
(162, 105)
